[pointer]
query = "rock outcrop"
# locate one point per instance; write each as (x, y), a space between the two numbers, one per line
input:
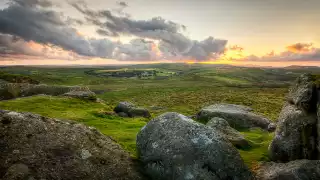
(296, 133)
(33, 147)
(84, 95)
(10, 90)
(303, 94)
(173, 146)
(317, 82)
(2, 82)
(239, 117)
(30, 90)
(127, 109)
(234, 136)
(294, 170)
(15, 90)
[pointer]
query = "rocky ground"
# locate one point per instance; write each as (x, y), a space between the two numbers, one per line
(171, 146)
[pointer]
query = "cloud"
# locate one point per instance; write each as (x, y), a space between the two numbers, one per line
(31, 20)
(34, 28)
(137, 49)
(113, 25)
(209, 48)
(170, 34)
(300, 47)
(123, 4)
(32, 3)
(298, 52)
(236, 48)
(12, 45)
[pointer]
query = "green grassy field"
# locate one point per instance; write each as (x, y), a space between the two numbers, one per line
(194, 87)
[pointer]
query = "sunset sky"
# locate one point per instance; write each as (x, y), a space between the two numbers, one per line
(239, 32)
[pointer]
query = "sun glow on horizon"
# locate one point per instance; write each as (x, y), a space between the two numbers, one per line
(233, 55)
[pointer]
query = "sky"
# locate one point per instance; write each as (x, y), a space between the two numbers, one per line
(238, 32)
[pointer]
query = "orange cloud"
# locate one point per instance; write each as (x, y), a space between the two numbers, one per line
(35, 46)
(298, 53)
(300, 48)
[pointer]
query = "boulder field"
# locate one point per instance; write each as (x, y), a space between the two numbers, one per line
(173, 146)
(170, 147)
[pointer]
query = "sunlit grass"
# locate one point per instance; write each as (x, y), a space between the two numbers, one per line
(124, 130)
(258, 151)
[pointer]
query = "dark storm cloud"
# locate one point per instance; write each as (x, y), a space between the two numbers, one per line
(32, 21)
(167, 32)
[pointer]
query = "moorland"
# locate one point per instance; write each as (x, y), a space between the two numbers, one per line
(182, 88)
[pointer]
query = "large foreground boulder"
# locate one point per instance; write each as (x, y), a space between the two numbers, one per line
(127, 109)
(234, 136)
(238, 116)
(296, 133)
(33, 147)
(294, 170)
(173, 146)
(84, 95)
